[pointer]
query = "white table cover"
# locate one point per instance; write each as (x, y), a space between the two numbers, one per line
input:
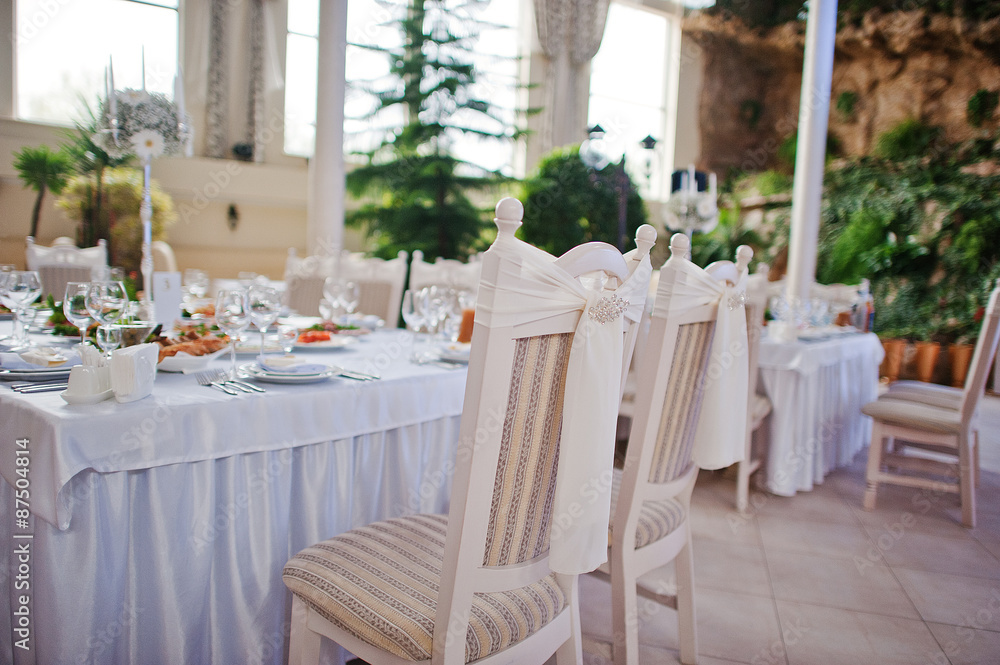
(817, 389)
(165, 523)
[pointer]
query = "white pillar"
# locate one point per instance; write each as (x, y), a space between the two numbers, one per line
(814, 111)
(325, 226)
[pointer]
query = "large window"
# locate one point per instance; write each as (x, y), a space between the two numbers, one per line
(369, 22)
(632, 80)
(63, 49)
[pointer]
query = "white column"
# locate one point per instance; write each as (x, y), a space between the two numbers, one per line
(814, 111)
(325, 226)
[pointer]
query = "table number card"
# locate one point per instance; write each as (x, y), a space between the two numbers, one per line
(167, 296)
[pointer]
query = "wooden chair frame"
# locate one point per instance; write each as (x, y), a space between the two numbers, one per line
(626, 563)
(891, 437)
(464, 573)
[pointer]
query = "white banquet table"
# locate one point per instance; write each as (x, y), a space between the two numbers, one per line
(817, 389)
(160, 527)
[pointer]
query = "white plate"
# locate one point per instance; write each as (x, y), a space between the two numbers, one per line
(335, 342)
(86, 399)
(43, 374)
(456, 353)
(185, 362)
(253, 371)
(247, 347)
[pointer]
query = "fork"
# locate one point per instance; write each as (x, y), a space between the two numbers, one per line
(207, 379)
(220, 376)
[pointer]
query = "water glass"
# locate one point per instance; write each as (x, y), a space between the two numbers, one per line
(75, 307)
(265, 305)
(107, 302)
(196, 283)
(232, 315)
(288, 336)
(18, 289)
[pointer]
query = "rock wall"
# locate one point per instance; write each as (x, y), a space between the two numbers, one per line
(897, 65)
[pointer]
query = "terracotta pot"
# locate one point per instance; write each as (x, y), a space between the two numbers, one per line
(893, 361)
(925, 359)
(960, 356)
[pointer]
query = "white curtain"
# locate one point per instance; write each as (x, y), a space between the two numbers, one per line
(570, 32)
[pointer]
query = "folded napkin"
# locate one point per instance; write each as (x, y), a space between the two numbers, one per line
(288, 365)
(133, 370)
(91, 355)
(39, 358)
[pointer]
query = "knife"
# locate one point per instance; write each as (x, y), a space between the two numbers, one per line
(43, 388)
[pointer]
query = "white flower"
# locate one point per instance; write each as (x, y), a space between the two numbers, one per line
(147, 143)
(133, 97)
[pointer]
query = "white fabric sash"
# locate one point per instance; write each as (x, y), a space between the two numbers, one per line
(720, 439)
(582, 503)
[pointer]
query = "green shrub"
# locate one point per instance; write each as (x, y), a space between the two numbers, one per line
(910, 139)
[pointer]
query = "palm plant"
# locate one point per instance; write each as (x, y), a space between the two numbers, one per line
(42, 169)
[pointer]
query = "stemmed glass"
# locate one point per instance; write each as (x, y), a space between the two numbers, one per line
(265, 305)
(75, 307)
(232, 315)
(106, 302)
(18, 289)
(413, 313)
(344, 295)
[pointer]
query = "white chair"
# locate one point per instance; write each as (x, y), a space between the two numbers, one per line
(911, 421)
(380, 282)
(650, 525)
(163, 256)
(476, 585)
(759, 406)
(444, 272)
(63, 262)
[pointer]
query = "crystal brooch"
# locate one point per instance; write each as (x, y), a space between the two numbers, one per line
(608, 309)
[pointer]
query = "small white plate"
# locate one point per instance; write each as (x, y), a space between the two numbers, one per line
(248, 347)
(86, 399)
(456, 353)
(253, 371)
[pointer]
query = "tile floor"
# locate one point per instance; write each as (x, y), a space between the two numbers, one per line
(815, 580)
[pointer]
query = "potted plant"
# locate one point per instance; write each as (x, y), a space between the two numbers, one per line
(42, 170)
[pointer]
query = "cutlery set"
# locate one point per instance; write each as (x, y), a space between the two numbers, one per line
(28, 387)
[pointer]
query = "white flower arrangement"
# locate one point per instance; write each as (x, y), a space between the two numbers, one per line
(141, 123)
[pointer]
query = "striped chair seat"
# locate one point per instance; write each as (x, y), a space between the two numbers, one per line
(380, 584)
(657, 519)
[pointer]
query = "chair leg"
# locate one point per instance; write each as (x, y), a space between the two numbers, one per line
(878, 445)
(687, 629)
(303, 644)
(571, 651)
(966, 476)
(742, 486)
(975, 456)
(624, 614)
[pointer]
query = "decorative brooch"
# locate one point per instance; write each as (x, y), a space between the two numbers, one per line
(739, 300)
(608, 309)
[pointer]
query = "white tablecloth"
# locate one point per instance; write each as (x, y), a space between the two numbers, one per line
(163, 525)
(817, 389)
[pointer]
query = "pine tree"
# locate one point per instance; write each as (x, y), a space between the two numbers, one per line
(415, 195)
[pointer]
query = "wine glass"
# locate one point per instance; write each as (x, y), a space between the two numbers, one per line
(75, 307)
(232, 315)
(265, 305)
(413, 313)
(106, 302)
(18, 290)
(196, 283)
(333, 289)
(350, 296)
